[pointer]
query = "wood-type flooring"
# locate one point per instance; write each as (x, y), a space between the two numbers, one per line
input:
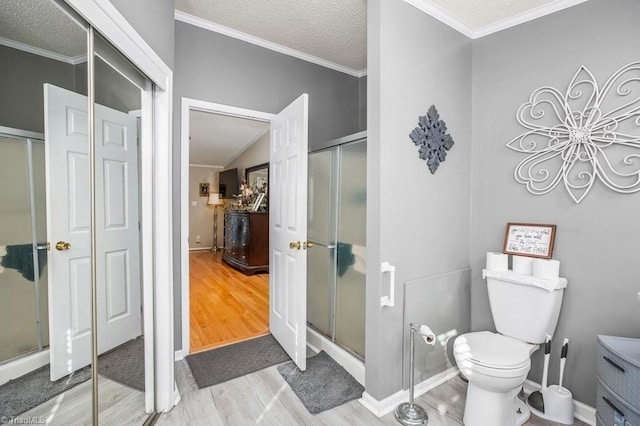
(264, 398)
(226, 306)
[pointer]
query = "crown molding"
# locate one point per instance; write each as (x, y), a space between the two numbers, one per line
(430, 8)
(206, 166)
(73, 60)
(230, 32)
(530, 15)
(443, 16)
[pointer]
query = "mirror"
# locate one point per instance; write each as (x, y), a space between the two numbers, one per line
(257, 178)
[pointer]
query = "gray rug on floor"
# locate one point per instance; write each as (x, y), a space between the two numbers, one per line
(228, 362)
(34, 388)
(324, 385)
(125, 364)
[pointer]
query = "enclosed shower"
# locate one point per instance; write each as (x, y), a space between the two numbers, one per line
(337, 229)
(23, 251)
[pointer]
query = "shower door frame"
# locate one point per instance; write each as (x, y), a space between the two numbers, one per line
(335, 217)
(28, 138)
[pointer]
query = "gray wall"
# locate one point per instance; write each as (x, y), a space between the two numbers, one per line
(417, 221)
(201, 215)
(216, 68)
(153, 20)
(111, 88)
(22, 75)
(594, 240)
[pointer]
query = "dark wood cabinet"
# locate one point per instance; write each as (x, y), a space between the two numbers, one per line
(246, 241)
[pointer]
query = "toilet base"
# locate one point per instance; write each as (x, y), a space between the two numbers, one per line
(523, 414)
(484, 407)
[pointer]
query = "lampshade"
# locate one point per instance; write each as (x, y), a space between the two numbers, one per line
(214, 200)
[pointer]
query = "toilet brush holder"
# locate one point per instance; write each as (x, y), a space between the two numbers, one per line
(558, 404)
(410, 413)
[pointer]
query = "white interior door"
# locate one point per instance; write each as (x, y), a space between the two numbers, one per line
(68, 214)
(288, 229)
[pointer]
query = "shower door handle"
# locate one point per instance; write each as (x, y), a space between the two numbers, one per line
(311, 243)
(62, 245)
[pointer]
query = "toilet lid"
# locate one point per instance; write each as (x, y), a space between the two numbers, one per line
(493, 350)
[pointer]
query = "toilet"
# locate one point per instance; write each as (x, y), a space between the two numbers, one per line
(525, 309)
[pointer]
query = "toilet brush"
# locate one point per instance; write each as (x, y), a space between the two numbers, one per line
(558, 401)
(563, 359)
(536, 400)
(409, 413)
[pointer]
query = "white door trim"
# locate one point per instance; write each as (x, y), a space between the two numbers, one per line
(187, 105)
(157, 255)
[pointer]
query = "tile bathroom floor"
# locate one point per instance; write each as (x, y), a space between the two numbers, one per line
(264, 398)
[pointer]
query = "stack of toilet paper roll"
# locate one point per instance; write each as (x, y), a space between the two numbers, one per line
(546, 269)
(497, 262)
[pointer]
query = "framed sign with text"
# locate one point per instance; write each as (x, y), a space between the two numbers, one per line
(529, 239)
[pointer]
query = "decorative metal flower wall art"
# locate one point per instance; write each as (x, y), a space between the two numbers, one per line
(588, 133)
(432, 139)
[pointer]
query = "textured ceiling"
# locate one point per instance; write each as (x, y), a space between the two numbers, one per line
(333, 30)
(217, 139)
(477, 14)
(41, 24)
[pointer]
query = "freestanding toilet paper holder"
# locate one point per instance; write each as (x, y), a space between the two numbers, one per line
(409, 413)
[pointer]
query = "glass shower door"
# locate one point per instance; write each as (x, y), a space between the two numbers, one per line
(352, 230)
(337, 228)
(20, 333)
(321, 260)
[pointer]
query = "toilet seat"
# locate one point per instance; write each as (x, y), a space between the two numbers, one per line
(493, 354)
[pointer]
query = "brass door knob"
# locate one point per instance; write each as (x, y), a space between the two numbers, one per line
(307, 245)
(295, 245)
(63, 245)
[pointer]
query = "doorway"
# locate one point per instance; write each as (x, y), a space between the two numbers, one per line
(288, 147)
(214, 281)
(228, 229)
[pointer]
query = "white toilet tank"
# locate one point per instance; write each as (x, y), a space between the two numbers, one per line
(524, 307)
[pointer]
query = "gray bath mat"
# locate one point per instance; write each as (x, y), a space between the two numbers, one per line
(324, 385)
(34, 388)
(125, 364)
(228, 362)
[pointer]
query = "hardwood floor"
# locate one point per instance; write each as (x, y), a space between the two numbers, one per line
(226, 305)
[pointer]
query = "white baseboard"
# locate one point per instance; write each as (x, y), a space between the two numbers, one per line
(387, 405)
(317, 342)
(179, 355)
(581, 411)
(200, 248)
(23, 365)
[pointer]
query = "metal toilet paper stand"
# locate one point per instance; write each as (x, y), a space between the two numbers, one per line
(409, 413)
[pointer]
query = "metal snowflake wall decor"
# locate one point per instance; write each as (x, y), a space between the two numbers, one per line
(432, 139)
(588, 133)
